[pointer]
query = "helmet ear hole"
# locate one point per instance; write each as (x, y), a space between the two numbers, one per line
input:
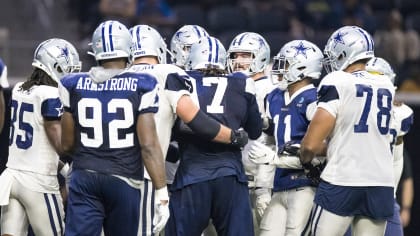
(59, 70)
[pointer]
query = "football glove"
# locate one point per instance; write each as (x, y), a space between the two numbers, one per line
(313, 172)
(259, 153)
(239, 138)
(263, 198)
(161, 209)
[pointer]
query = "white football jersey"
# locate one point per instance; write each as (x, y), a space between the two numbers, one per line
(401, 123)
(263, 174)
(32, 159)
(402, 119)
(358, 148)
(30, 149)
(168, 99)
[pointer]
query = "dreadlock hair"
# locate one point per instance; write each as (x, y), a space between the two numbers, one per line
(38, 77)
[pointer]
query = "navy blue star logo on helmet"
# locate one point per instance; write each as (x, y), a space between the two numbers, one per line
(300, 49)
(64, 53)
(338, 38)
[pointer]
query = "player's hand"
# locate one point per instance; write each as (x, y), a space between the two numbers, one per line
(313, 172)
(3, 78)
(239, 138)
(291, 148)
(262, 200)
(161, 209)
(260, 153)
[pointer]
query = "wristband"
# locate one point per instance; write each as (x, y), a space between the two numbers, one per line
(162, 194)
(65, 170)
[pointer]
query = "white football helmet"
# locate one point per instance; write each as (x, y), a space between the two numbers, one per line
(182, 40)
(207, 53)
(110, 40)
(148, 42)
(296, 60)
(378, 65)
(56, 57)
(251, 43)
(346, 46)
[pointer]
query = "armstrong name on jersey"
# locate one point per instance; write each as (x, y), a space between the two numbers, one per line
(113, 84)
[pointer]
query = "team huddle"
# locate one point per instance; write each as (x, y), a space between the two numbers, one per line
(220, 142)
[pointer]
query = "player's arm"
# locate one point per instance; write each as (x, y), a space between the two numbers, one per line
(52, 128)
(201, 123)
(253, 123)
(2, 109)
(319, 129)
(150, 149)
(67, 132)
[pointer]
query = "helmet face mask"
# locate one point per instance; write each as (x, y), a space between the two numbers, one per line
(241, 61)
(254, 44)
(346, 46)
(148, 42)
(182, 40)
(297, 59)
(111, 40)
(207, 54)
(57, 57)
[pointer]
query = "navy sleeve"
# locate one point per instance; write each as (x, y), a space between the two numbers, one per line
(253, 124)
(327, 93)
(176, 82)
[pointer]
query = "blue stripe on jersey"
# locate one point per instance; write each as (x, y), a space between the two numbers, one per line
(52, 108)
(328, 93)
(210, 49)
(111, 44)
(406, 123)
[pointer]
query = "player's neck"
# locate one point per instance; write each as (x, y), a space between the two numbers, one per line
(355, 67)
(296, 86)
(257, 76)
(114, 64)
(146, 60)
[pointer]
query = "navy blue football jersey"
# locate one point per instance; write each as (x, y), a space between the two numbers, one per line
(291, 117)
(231, 101)
(105, 117)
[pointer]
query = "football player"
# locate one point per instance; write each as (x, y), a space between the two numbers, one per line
(249, 53)
(109, 126)
(291, 107)
(401, 123)
(353, 114)
(29, 189)
(181, 43)
(149, 56)
(210, 176)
